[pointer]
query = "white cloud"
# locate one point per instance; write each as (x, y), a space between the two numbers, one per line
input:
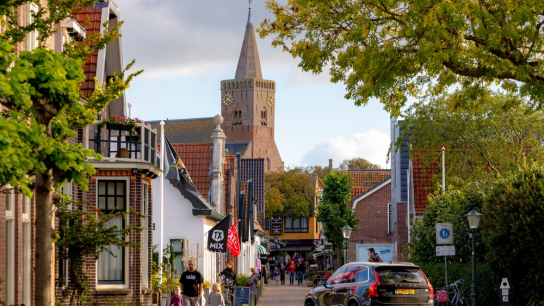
(372, 145)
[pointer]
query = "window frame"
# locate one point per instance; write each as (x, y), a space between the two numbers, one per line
(9, 282)
(145, 237)
(32, 41)
(126, 251)
(27, 261)
(299, 229)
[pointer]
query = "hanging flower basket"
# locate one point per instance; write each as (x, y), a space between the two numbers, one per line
(121, 123)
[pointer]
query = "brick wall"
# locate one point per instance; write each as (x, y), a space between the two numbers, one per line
(372, 212)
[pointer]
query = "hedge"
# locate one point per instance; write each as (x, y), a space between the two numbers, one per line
(487, 283)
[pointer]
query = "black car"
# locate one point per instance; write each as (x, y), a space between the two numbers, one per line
(366, 283)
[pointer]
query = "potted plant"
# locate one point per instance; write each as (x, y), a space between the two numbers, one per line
(206, 286)
(121, 123)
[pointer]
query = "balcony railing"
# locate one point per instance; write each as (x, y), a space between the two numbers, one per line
(126, 143)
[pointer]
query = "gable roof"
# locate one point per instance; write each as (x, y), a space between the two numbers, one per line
(365, 179)
(197, 159)
(90, 66)
(369, 191)
(190, 131)
(422, 181)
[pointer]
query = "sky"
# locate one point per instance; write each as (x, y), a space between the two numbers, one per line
(187, 47)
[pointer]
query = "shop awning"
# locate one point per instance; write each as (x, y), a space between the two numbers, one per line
(297, 248)
(261, 250)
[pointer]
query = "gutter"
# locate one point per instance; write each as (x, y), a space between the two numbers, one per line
(208, 213)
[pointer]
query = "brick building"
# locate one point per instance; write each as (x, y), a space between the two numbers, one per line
(123, 177)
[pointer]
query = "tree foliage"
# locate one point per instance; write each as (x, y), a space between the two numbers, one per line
(512, 229)
(84, 233)
(450, 207)
(359, 163)
(289, 193)
(393, 50)
(42, 108)
(497, 135)
(334, 210)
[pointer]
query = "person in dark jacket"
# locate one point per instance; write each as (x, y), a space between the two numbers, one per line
(301, 268)
(228, 272)
(283, 270)
(253, 279)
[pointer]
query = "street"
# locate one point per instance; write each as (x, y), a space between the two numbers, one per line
(283, 295)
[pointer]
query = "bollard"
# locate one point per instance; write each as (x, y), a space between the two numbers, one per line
(505, 292)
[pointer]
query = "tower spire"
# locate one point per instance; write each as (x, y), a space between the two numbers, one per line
(249, 65)
(249, 14)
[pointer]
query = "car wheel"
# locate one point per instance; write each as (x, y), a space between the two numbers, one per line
(309, 303)
(352, 303)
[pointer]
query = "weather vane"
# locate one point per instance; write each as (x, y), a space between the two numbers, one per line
(249, 2)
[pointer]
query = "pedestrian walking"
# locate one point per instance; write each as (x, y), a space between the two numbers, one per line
(287, 259)
(253, 279)
(191, 285)
(272, 265)
(292, 269)
(300, 268)
(263, 274)
(215, 298)
(277, 274)
(177, 298)
(282, 274)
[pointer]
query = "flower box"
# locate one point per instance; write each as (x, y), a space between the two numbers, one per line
(119, 127)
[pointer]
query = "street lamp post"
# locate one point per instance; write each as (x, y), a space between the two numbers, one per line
(473, 222)
(346, 232)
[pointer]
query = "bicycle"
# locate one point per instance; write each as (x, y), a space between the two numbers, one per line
(228, 291)
(458, 298)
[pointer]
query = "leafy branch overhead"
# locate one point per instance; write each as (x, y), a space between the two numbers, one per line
(393, 50)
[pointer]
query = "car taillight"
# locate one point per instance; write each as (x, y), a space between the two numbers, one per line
(431, 294)
(373, 289)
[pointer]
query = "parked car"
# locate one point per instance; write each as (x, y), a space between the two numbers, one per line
(366, 283)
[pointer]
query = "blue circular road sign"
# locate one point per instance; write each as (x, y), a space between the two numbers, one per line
(444, 233)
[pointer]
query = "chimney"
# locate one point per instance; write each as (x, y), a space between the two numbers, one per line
(330, 164)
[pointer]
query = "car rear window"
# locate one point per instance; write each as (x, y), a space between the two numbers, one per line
(389, 276)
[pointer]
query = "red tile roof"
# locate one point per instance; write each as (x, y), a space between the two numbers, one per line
(197, 159)
(363, 180)
(95, 17)
(422, 181)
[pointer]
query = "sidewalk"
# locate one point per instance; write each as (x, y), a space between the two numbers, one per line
(283, 295)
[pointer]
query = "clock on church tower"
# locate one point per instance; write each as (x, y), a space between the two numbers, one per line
(248, 105)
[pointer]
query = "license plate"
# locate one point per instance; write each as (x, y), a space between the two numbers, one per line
(405, 291)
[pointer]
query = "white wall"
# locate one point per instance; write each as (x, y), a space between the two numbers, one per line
(179, 222)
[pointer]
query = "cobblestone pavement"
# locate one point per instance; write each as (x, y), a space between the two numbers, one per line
(283, 295)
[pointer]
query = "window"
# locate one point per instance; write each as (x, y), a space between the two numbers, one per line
(63, 263)
(145, 240)
(177, 253)
(32, 37)
(237, 118)
(299, 225)
(389, 219)
(9, 282)
(26, 250)
(337, 277)
(112, 197)
(363, 274)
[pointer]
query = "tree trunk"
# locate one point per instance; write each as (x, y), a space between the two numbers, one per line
(44, 294)
(44, 239)
(339, 261)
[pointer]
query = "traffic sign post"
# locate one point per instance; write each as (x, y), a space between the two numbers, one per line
(444, 235)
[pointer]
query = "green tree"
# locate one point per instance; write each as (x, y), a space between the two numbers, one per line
(511, 226)
(358, 163)
(394, 49)
(334, 210)
(496, 135)
(42, 108)
(450, 207)
(84, 233)
(289, 193)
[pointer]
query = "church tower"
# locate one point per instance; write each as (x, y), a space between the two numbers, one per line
(248, 106)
